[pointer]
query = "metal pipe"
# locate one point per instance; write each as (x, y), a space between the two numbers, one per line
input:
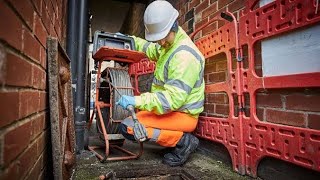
(80, 106)
(72, 40)
(77, 35)
(72, 51)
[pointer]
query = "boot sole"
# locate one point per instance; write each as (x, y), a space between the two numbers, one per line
(173, 164)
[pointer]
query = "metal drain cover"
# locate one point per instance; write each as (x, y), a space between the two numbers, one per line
(163, 173)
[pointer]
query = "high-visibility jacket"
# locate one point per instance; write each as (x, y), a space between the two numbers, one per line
(178, 83)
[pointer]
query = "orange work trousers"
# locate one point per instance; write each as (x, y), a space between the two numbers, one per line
(166, 129)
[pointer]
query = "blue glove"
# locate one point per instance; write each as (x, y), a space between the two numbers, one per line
(124, 101)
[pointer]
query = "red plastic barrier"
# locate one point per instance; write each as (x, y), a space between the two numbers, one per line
(247, 139)
(299, 146)
(140, 68)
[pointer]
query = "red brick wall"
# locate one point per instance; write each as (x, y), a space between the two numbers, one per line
(24, 130)
(216, 104)
(194, 13)
(296, 107)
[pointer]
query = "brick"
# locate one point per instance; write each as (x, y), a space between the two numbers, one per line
(27, 160)
(15, 141)
(45, 18)
(236, 5)
(40, 31)
(183, 11)
(202, 22)
(269, 100)
(206, 78)
(38, 125)
(314, 121)
(202, 6)
(3, 60)
(260, 114)
(217, 77)
(210, 68)
(221, 65)
(217, 14)
(36, 170)
(220, 57)
(18, 71)
(29, 102)
(43, 101)
(9, 107)
(38, 5)
(42, 174)
(221, 23)
(58, 29)
(31, 47)
(210, 28)
(303, 102)
(55, 7)
(42, 141)
(53, 32)
(11, 28)
(194, 3)
(185, 27)
(223, 3)
(218, 98)
(43, 58)
(212, 1)
(209, 108)
(39, 78)
(222, 109)
(25, 9)
(12, 173)
(50, 10)
(211, 9)
(284, 117)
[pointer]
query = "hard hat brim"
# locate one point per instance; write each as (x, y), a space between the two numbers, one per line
(160, 35)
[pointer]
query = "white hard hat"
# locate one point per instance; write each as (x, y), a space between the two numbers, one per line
(158, 20)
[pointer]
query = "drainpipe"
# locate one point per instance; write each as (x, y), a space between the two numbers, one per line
(80, 108)
(77, 51)
(72, 40)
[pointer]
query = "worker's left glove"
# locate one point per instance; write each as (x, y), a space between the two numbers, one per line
(124, 101)
(139, 132)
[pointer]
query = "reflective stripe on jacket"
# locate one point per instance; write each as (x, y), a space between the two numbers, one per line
(178, 83)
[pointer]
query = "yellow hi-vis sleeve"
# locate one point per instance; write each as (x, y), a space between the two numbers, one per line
(183, 72)
(151, 49)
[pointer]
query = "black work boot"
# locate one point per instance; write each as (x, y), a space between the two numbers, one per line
(186, 145)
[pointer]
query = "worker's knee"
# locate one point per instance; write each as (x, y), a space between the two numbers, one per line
(124, 132)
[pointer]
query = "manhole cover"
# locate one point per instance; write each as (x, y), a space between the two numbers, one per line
(163, 173)
(162, 177)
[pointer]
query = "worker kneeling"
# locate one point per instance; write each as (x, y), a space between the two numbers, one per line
(169, 113)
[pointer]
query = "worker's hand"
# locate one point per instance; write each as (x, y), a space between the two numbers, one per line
(139, 132)
(124, 101)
